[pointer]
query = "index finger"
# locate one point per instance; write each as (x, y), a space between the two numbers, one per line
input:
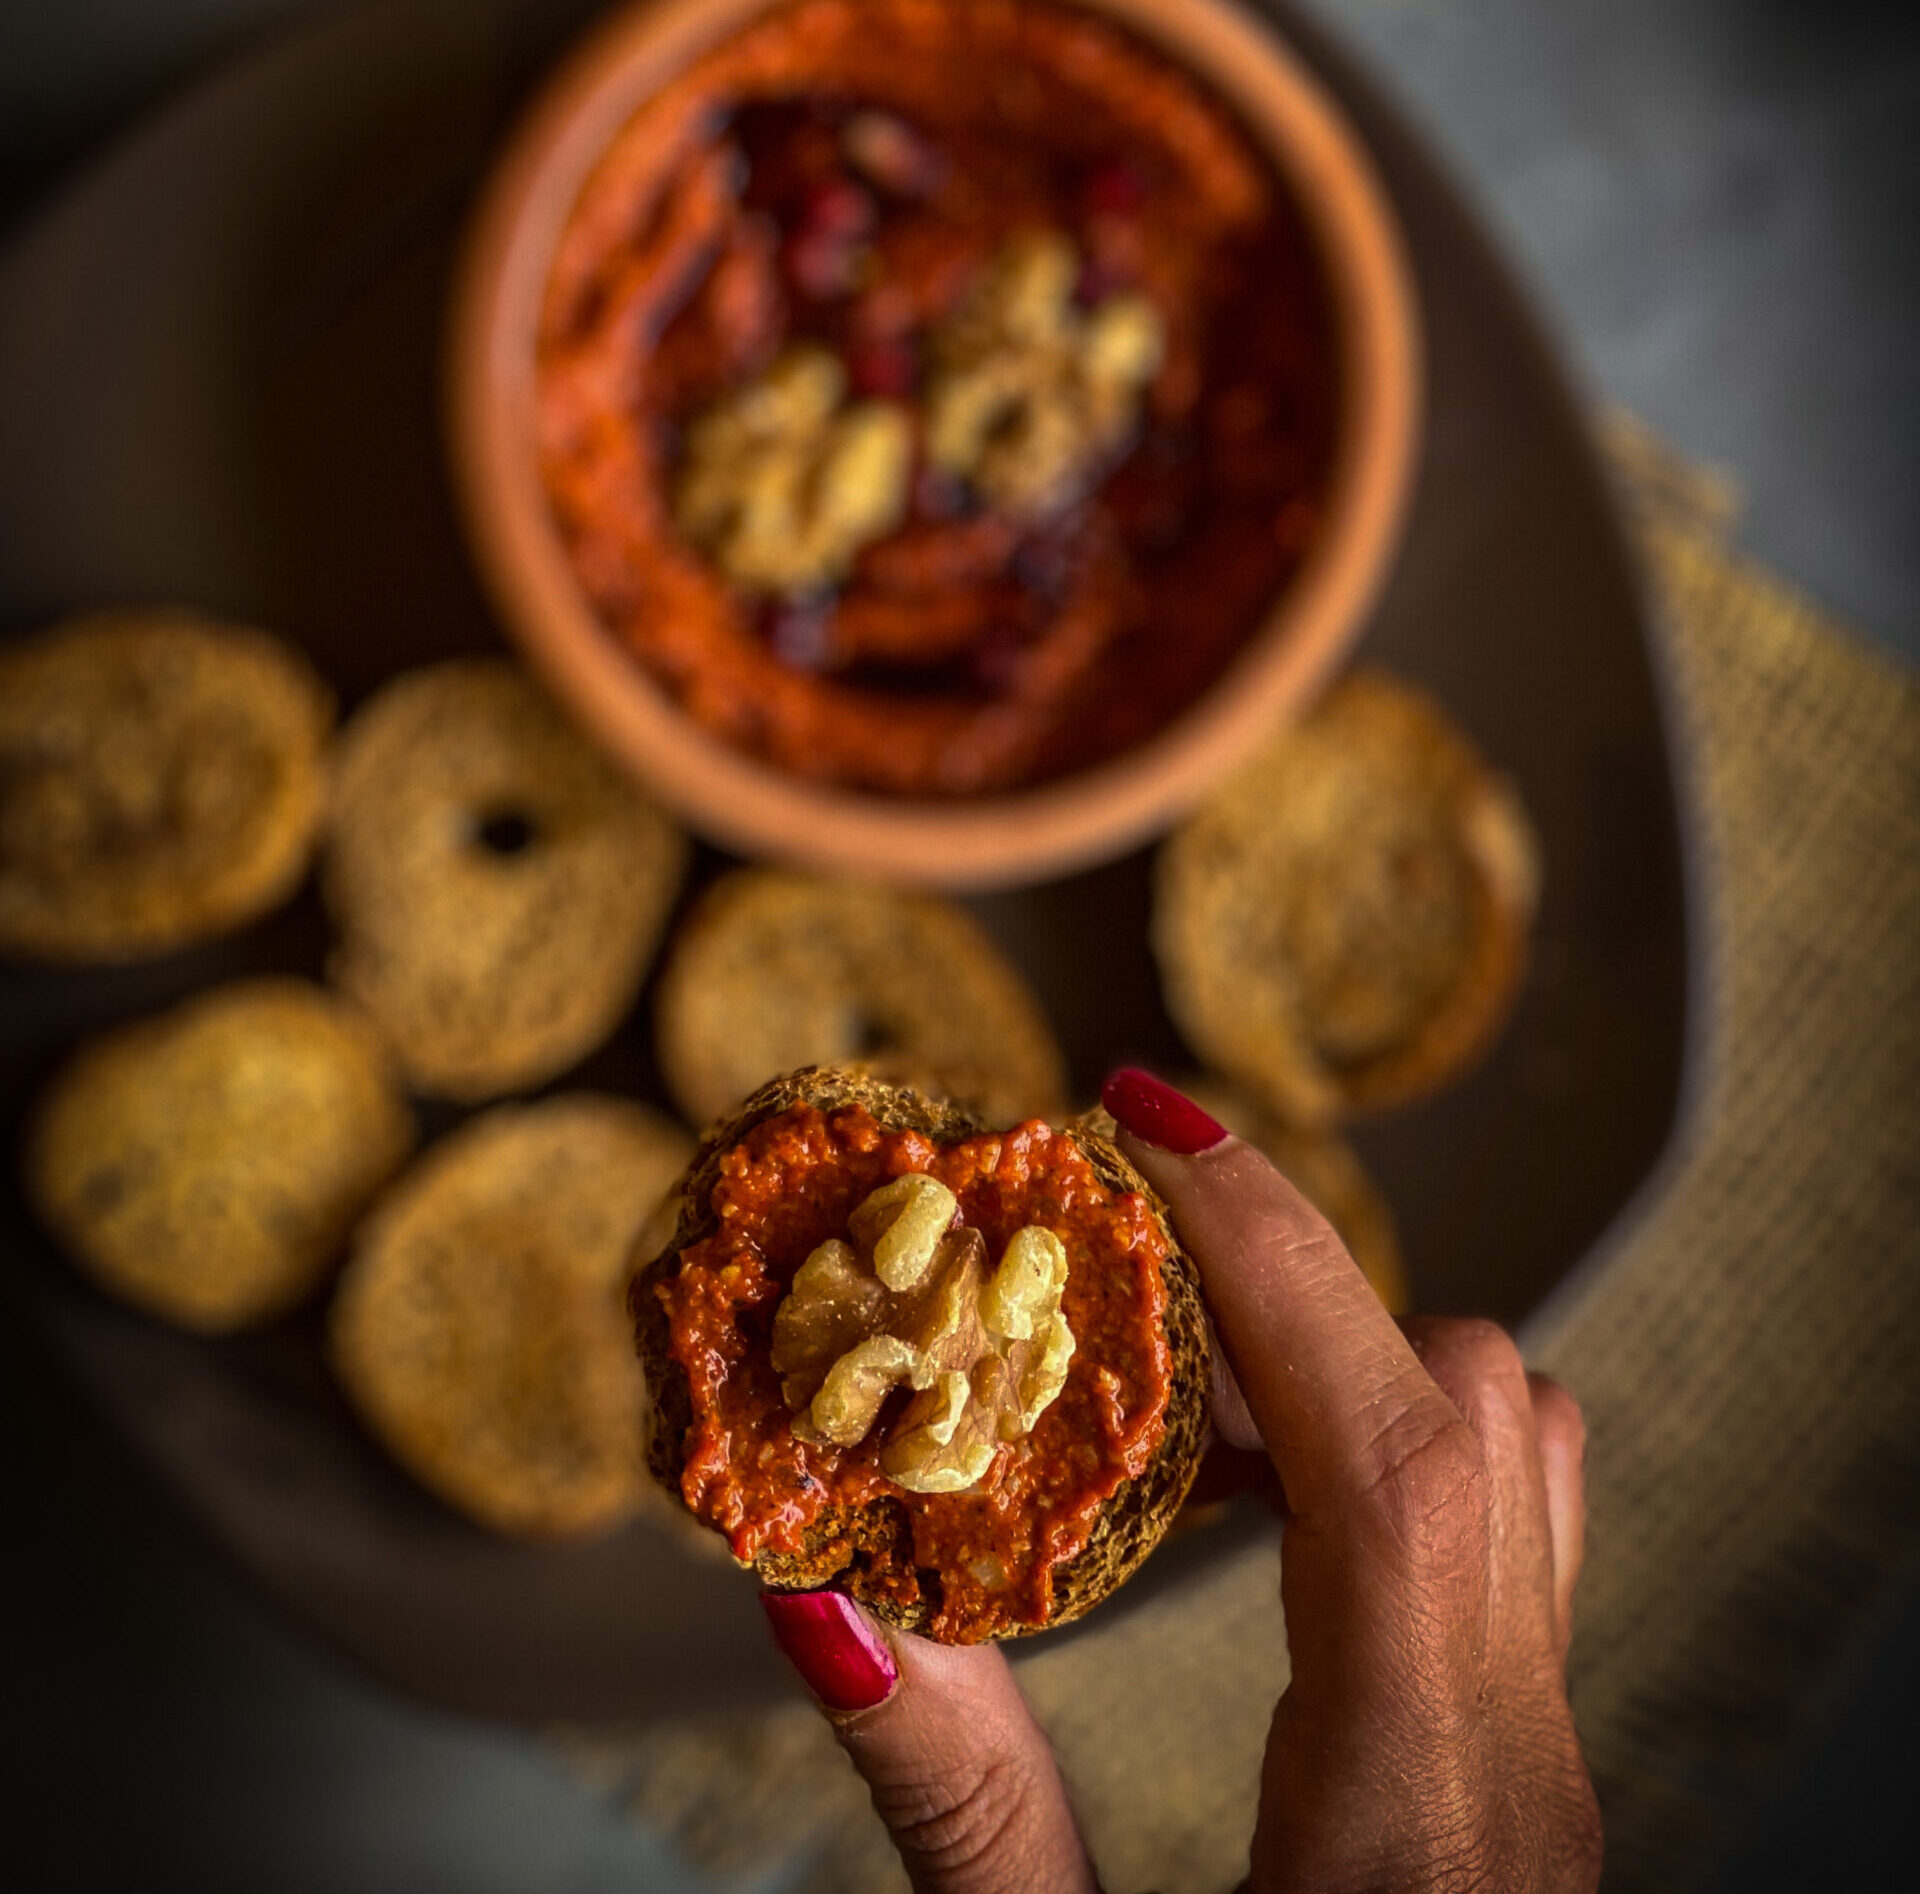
(1338, 1395)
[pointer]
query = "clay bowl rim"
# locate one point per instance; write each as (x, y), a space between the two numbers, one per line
(1009, 838)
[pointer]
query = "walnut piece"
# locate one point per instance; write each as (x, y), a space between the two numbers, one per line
(909, 1301)
(1031, 395)
(901, 1225)
(782, 485)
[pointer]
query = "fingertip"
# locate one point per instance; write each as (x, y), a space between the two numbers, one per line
(1151, 1111)
(841, 1654)
(1558, 1419)
(1232, 1418)
(1561, 1430)
(959, 1771)
(1473, 1361)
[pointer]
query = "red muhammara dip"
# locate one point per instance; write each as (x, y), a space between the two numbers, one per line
(791, 1184)
(933, 395)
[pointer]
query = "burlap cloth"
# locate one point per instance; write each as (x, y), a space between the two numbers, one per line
(1745, 1352)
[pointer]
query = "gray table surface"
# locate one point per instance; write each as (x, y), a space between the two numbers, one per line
(1716, 203)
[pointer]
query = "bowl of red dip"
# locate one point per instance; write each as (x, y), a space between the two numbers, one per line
(933, 438)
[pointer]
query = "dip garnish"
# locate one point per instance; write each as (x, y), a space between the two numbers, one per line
(782, 483)
(910, 1300)
(1030, 394)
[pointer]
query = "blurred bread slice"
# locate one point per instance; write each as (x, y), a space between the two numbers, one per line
(207, 1164)
(499, 887)
(774, 971)
(480, 1327)
(1343, 926)
(161, 782)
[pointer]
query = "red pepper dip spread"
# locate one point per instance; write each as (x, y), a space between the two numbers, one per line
(792, 1183)
(934, 394)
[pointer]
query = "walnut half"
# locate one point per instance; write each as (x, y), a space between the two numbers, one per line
(910, 1300)
(1031, 395)
(784, 480)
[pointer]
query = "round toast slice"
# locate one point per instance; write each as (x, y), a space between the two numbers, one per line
(161, 782)
(499, 888)
(774, 970)
(479, 1327)
(206, 1164)
(852, 1548)
(1343, 927)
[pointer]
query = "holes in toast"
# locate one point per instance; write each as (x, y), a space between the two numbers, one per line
(506, 832)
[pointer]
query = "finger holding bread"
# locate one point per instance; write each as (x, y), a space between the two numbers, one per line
(1328, 1172)
(1419, 1580)
(959, 1771)
(1332, 1384)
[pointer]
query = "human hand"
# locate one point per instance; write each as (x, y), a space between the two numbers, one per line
(1434, 1527)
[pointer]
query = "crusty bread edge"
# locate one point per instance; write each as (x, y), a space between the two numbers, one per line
(842, 1542)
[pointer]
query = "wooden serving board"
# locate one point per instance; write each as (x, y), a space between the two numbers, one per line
(218, 386)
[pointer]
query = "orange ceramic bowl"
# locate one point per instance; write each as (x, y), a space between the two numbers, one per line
(999, 839)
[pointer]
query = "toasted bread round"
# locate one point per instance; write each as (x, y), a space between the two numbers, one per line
(207, 1164)
(1343, 927)
(851, 1548)
(499, 888)
(773, 971)
(1327, 1171)
(480, 1326)
(160, 782)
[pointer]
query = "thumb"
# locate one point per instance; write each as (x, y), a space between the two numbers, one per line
(958, 1769)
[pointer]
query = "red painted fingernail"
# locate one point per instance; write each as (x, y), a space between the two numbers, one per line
(1152, 1110)
(839, 1655)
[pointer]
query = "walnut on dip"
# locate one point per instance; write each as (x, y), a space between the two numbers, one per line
(912, 1300)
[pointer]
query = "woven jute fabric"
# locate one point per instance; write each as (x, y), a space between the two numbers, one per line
(1745, 1351)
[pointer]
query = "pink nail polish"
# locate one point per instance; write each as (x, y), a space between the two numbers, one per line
(839, 1655)
(1153, 1111)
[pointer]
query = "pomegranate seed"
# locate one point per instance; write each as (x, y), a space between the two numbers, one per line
(1095, 284)
(995, 661)
(938, 495)
(885, 369)
(838, 209)
(1044, 565)
(799, 632)
(823, 255)
(1115, 188)
(888, 150)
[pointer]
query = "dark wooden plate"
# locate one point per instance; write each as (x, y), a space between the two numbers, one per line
(218, 385)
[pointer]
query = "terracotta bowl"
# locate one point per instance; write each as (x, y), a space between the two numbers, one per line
(1021, 835)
